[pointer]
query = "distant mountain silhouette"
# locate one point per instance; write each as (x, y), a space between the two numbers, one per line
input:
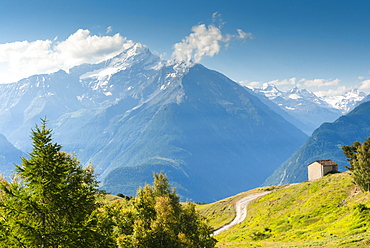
(9, 156)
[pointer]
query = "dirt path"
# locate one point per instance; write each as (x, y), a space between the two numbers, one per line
(241, 211)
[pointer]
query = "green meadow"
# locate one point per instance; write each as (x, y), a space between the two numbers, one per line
(328, 212)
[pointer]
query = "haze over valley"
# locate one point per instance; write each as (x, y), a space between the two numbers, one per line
(219, 98)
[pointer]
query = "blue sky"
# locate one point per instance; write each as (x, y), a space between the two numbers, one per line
(316, 44)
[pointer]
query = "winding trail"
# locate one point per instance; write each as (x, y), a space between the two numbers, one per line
(241, 211)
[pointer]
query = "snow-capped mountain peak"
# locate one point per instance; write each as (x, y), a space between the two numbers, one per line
(347, 101)
(269, 90)
(310, 110)
(135, 54)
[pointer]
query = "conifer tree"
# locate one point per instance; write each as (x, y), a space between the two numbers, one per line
(50, 201)
(359, 157)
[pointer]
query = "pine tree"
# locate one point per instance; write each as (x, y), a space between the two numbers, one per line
(359, 157)
(51, 200)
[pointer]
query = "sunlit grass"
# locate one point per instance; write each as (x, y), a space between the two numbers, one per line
(108, 198)
(222, 212)
(328, 212)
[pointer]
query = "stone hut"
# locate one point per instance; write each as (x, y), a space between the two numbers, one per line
(320, 168)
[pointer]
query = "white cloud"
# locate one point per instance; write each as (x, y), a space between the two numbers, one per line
(81, 47)
(23, 59)
(331, 92)
(217, 20)
(365, 85)
(204, 41)
(243, 35)
(319, 82)
(246, 83)
(304, 82)
(216, 17)
(290, 81)
(254, 84)
(329, 87)
(109, 29)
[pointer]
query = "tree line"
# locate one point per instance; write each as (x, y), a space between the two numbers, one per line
(53, 201)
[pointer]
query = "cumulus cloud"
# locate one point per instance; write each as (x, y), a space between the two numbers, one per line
(204, 41)
(249, 84)
(365, 85)
(321, 87)
(23, 59)
(332, 92)
(254, 83)
(81, 47)
(290, 81)
(319, 82)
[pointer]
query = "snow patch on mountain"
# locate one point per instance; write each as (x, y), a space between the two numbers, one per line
(294, 96)
(347, 101)
(269, 90)
(102, 74)
(310, 110)
(344, 103)
(133, 55)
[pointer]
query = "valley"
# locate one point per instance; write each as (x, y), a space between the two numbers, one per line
(185, 124)
(136, 114)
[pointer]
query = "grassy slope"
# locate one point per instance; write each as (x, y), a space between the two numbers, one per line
(222, 212)
(323, 213)
(108, 198)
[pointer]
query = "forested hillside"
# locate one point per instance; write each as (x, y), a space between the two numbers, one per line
(325, 143)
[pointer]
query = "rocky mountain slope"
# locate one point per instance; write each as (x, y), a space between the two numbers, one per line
(135, 114)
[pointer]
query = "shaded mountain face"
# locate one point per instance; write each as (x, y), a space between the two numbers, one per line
(325, 143)
(133, 115)
(9, 155)
(296, 121)
(207, 133)
(25, 102)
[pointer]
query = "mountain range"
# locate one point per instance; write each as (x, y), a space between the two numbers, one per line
(135, 114)
(308, 111)
(325, 143)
